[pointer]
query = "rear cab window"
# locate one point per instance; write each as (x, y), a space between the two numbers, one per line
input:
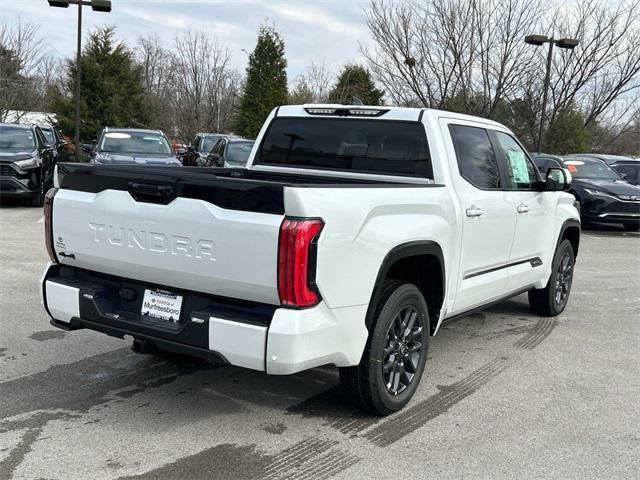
(386, 147)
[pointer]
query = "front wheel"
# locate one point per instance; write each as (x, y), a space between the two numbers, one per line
(395, 354)
(552, 300)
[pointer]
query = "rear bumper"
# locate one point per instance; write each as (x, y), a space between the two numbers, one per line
(261, 337)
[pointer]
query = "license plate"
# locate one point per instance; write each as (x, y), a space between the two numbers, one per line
(162, 304)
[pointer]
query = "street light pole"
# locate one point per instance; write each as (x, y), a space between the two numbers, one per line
(96, 6)
(545, 94)
(568, 43)
(78, 78)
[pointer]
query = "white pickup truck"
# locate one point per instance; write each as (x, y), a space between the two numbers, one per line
(352, 234)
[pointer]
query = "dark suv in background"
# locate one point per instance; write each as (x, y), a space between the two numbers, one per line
(27, 162)
(131, 146)
(604, 196)
(230, 152)
(198, 150)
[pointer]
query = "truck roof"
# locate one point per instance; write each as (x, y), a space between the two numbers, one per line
(387, 112)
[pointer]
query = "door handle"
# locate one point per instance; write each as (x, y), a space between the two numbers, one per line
(522, 208)
(474, 211)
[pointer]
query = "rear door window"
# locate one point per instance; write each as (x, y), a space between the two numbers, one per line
(476, 159)
(344, 144)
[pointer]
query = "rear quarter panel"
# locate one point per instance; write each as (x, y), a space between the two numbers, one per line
(362, 225)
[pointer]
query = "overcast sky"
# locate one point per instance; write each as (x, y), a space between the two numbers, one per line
(326, 31)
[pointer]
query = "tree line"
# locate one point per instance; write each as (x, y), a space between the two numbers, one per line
(460, 56)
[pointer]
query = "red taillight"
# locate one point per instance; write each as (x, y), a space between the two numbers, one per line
(295, 267)
(48, 226)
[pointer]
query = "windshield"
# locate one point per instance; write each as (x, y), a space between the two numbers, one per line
(208, 142)
(595, 170)
(48, 134)
(238, 153)
(16, 139)
(134, 142)
(346, 144)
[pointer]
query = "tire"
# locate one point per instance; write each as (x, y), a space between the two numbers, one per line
(401, 324)
(631, 226)
(552, 300)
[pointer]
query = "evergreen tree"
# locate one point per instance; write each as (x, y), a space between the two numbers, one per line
(355, 80)
(567, 133)
(112, 91)
(265, 85)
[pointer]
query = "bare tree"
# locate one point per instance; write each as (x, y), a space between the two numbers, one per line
(204, 85)
(470, 56)
(466, 55)
(158, 78)
(605, 67)
(21, 49)
(313, 86)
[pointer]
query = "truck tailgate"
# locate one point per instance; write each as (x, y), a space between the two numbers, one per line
(190, 242)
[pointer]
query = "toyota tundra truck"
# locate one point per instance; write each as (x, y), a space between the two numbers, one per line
(348, 239)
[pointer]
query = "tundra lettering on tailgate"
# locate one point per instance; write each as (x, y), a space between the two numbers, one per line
(153, 241)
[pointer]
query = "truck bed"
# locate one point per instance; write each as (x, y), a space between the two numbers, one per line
(230, 188)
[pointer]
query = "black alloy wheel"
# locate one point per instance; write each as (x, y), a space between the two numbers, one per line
(403, 350)
(395, 355)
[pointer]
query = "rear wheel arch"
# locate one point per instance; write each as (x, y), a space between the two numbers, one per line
(420, 263)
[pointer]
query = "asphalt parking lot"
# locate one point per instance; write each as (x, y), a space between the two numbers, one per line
(506, 394)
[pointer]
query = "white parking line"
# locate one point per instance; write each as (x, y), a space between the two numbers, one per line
(41, 219)
(584, 235)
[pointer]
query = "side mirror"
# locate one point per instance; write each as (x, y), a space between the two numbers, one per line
(181, 151)
(623, 175)
(191, 149)
(47, 146)
(87, 147)
(558, 179)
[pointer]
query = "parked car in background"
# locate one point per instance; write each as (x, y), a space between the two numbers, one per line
(199, 148)
(627, 167)
(229, 152)
(27, 162)
(604, 196)
(132, 146)
(54, 137)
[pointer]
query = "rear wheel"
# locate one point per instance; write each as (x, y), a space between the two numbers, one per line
(552, 300)
(395, 354)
